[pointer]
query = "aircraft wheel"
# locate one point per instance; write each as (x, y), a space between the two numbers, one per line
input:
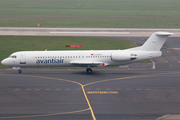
(89, 71)
(19, 71)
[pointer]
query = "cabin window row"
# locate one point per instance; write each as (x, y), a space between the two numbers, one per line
(72, 57)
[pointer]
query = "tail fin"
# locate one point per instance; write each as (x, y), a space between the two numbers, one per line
(155, 41)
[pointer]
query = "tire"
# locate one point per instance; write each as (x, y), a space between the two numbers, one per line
(19, 71)
(89, 71)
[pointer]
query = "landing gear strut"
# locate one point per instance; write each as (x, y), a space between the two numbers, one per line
(89, 71)
(19, 71)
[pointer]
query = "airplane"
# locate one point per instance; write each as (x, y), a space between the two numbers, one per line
(88, 58)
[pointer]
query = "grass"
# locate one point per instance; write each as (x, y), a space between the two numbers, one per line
(10, 44)
(90, 13)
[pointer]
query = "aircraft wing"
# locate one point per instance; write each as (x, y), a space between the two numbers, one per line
(85, 64)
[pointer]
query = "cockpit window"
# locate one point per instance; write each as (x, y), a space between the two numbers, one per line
(12, 56)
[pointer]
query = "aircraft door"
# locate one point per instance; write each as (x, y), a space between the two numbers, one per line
(23, 58)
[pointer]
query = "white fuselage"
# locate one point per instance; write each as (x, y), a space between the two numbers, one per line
(87, 58)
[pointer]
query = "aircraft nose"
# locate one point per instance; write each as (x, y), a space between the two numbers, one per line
(4, 62)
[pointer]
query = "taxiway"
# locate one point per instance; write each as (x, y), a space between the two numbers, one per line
(128, 32)
(130, 92)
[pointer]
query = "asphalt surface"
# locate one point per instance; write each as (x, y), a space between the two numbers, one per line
(129, 92)
(113, 93)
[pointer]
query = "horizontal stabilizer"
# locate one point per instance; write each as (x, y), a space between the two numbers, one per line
(164, 33)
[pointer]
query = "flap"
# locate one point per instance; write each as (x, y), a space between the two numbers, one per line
(86, 63)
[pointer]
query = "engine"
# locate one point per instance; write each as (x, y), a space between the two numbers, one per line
(123, 56)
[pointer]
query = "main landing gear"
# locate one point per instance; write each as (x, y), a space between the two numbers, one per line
(19, 71)
(89, 71)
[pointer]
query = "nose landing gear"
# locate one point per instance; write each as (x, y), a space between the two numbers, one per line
(19, 71)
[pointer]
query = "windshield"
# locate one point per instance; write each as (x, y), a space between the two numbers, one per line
(12, 56)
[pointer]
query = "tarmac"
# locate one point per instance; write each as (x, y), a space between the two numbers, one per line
(134, 92)
(110, 93)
